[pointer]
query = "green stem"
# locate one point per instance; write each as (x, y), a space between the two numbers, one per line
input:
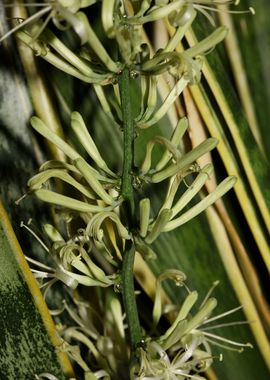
(129, 299)
(128, 129)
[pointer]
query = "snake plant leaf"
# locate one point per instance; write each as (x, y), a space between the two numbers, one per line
(217, 78)
(18, 153)
(231, 164)
(37, 87)
(253, 34)
(254, 164)
(234, 226)
(28, 336)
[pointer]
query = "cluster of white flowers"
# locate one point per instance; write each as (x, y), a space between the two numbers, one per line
(184, 350)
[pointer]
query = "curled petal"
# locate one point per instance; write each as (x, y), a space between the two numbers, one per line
(94, 226)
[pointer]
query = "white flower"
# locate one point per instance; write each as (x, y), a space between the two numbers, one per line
(155, 363)
(72, 262)
(184, 351)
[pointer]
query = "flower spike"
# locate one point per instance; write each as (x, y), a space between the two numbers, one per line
(108, 220)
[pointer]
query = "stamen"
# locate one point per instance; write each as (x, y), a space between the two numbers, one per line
(214, 343)
(200, 7)
(27, 21)
(225, 325)
(20, 199)
(210, 291)
(207, 15)
(47, 287)
(26, 5)
(38, 263)
(232, 342)
(43, 26)
(36, 236)
(40, 274)
(223, 314)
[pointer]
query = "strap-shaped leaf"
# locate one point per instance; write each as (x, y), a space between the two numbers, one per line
(29, 339)
(256, 168)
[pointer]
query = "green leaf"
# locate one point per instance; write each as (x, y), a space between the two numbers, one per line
(237, 131)
(254, 44)
(28, 336)
(29, 340)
